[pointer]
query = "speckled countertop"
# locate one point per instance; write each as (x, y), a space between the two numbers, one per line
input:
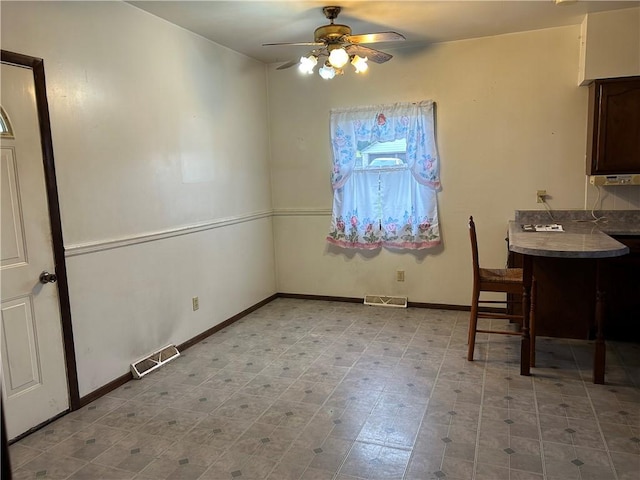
(612, 222)
(583, 235)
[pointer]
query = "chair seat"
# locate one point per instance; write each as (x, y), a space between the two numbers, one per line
(501, 275)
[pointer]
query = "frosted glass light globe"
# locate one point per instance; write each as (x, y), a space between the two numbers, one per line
(338, 57)
(327, 72)
(307, 64)
(360, 64)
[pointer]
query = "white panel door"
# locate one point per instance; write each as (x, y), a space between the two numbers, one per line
(34, 378)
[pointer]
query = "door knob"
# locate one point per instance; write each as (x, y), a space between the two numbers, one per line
(46, 277)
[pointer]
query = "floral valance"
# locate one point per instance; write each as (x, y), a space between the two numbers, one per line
(413, 122)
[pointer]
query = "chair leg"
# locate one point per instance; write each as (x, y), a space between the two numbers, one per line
(532, 322)
(473, 324)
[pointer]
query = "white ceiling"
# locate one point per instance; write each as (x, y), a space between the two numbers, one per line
(245, 25)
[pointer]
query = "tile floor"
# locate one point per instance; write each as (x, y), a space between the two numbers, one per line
(325, 390)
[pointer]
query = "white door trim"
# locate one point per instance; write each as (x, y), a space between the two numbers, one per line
(37, 66)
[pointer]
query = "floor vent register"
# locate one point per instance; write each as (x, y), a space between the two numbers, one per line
(385, 301)
(154, 361)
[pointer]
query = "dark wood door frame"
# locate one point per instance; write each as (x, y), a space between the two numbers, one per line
(42, 105)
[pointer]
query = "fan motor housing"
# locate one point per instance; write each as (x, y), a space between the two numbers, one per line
(331, 33)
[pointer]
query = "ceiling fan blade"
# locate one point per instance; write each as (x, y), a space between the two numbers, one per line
(376, 37)
(294, 43)
(375, 56)
(288, 64)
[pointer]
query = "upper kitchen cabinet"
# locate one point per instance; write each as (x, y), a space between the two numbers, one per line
(613, 135)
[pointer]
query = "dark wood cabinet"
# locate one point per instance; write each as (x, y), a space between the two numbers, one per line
(566, 295)
(613, 132)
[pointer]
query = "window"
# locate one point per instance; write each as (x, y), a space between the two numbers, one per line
(385, 177)
(378, 154)
(5, 125)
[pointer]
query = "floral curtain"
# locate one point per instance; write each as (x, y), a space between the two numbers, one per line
(391, 207)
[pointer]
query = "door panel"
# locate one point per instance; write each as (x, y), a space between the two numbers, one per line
(13, 241)
(33, 363)
(20, 360)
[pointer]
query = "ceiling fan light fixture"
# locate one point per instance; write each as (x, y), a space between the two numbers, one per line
(307, 64)
(360, 64)
(336, 42)
(338, 57)
(327, 71)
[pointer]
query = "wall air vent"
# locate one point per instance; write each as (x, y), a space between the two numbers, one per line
(606, 180)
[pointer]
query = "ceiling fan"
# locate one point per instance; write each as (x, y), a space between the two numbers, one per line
(335, 42)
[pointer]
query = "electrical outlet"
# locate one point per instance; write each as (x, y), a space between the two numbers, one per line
(195, 303)
(400, 275)
(540, 194)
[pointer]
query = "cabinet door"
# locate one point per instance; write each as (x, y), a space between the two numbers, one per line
(614, 126)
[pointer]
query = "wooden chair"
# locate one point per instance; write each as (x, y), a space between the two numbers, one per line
(504, 280)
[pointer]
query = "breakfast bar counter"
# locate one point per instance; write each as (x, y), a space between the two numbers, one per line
(576, 240)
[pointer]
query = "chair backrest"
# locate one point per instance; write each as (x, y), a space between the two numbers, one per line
(474, 249)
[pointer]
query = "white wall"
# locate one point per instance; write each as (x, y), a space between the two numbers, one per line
(155, 130)
(510, 120)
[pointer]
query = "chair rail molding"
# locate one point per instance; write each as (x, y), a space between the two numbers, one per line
(301, 212)
(102, 245)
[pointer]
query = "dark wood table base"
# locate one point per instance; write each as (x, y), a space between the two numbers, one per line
(527, 347)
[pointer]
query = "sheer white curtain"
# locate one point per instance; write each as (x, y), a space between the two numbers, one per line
(394, 207)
